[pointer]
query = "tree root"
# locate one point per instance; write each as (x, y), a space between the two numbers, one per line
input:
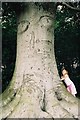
(30, 101)
(9, 108)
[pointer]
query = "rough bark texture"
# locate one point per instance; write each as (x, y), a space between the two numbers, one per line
(35, 90)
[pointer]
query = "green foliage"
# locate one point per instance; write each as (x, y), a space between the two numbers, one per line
(67, 42)
(9, 29)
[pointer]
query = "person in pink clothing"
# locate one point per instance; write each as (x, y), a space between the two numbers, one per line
(70, 85)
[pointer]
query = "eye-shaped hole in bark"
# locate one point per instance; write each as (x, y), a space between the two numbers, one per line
(23, 26)
(46, 20)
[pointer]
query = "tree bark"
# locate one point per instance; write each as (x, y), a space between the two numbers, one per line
(35, 90)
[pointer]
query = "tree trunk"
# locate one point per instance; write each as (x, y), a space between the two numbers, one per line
(35, 90)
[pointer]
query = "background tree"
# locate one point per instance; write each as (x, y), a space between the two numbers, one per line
(58, 51)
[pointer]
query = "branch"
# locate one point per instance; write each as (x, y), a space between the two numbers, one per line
(69, 6)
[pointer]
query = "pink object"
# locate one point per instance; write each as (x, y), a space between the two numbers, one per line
(70, 86)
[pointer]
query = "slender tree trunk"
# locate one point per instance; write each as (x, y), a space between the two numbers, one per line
(35, 89)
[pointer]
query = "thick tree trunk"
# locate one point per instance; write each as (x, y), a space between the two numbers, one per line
(35, 89)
